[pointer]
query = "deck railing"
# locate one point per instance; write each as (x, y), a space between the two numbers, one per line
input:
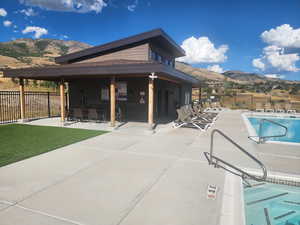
(260, 138)
(37, 105)
(220, 163)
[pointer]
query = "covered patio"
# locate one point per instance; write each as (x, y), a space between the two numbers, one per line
(120, 89)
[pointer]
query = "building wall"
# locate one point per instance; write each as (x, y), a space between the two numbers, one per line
(140, 52)
(86, 93)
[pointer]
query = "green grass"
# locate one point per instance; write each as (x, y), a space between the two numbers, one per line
(18, 141)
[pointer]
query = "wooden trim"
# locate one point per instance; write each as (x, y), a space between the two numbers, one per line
(150, 101)
(62, 101)
(113, 101)
(22, 98)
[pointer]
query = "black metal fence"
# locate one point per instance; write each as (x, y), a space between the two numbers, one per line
(37, 105)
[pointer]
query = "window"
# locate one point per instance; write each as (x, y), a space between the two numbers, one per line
(157, 57)
(153, 55)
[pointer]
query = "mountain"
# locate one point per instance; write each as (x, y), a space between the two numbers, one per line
(232, 75)
(27, 52)
(247, 77)
(201, 74)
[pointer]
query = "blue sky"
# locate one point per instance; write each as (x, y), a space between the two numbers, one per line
(261, 36)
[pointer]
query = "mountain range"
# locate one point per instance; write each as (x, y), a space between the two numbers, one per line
(27, 52)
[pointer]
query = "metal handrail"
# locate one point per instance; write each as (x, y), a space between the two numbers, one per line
(261, 139)
(234, 170)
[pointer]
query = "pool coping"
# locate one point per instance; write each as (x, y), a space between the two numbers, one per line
(232, 209)
(252, 131)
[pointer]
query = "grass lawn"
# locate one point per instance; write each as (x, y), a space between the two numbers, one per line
(19, 141)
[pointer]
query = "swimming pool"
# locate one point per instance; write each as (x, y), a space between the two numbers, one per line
(272, 204)
(269, 129)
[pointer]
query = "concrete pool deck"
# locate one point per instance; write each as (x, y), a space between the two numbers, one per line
(128, 177)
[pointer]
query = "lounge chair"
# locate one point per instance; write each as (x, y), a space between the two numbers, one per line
(198, 115)
(259, 107)
(268, 107)
(216, 106)
(185, 120)
(207, 115)
(278, 108)
(288, 108)
(78, 114)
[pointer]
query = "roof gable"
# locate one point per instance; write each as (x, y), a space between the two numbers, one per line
(157, 37)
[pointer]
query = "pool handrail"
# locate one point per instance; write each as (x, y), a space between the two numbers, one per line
(234, 170)
(261, 139)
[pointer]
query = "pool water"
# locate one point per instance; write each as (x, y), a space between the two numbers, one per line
(272, 204)
(270, 129)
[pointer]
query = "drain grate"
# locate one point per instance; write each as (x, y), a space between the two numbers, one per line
(284, 215)
(268, 198)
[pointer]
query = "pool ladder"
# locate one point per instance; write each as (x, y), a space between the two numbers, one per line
(220, 163)
(262, 139)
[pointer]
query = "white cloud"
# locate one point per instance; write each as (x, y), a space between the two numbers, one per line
(202, 50)
(80, 6)
(28, 12)
(133, 6)
(7, 23)
(62, 37)
(216, 68)
(274, 58)
(258, 64)
(274, 76)
(38, 31)
(282, 36)
(3, 12)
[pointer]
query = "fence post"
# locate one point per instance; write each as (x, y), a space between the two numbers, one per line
(49, 107)
(62, 101)
(22, 99)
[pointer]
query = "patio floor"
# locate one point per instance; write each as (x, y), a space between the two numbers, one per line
(128, 177)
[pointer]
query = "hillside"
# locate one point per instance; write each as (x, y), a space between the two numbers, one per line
(201, 74)
(233, 76)
(246, 77)
(28, 52)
